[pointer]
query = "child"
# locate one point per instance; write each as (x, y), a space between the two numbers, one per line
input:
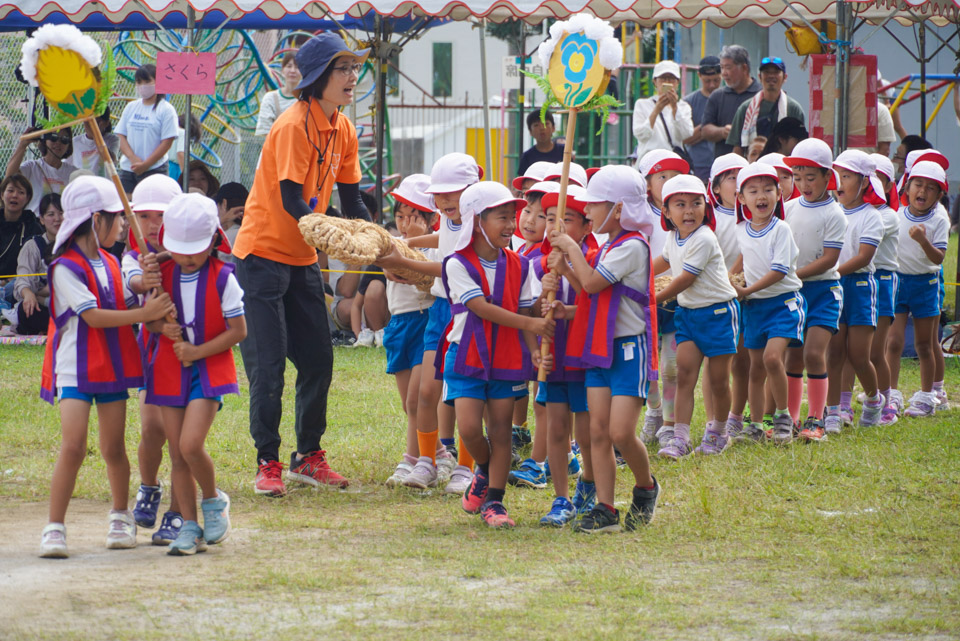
(659, 166)
(612, 335)
(403, 336)
(818, 227)
(858, 191)
(537, 172)
(785, 172)
(773, 311)
(190, 366)
(146, 130)
(86, 155)
(485, 361)
(91, 354)
(708, 316)
(141, 273)
(564, 391)
(577, 176)
(923, 245)
(33, 313)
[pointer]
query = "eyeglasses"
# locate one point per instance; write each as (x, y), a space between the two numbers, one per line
(64, 140)
(351, 70)
(771, 61)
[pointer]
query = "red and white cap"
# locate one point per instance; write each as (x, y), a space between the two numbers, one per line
(189, 224)
(922, 169)
(545, 187)
(860, 162)
(577, 176)
(721, 165)
(536, 172)
(154, 193)
(756, 170)
(775, 160)
(915, 156)
(885, 167)
(477, 198)
(575, 201)
(454, 172)
(622, 184)
(412, 191)
(813, 152)
(83, 197)
(657, 160)
(686, 184)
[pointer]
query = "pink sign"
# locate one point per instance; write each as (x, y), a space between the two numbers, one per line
(186, 73)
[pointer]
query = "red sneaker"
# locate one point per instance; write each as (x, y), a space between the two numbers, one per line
(314, 470)
(269, 479)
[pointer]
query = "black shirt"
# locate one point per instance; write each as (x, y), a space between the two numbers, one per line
(533, 155)
(13, 236)
(722, 106)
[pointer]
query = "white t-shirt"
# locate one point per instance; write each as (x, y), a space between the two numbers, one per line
(45, 179)
(231, 302)
(658, 238)
(864, 227)
(911, 257)
(449, 233)
(130, 267)
(145, 127)
(402, 299)
(886, 256)
(463, 289)
(727, 235)
(177, 146)
(85, 153)
(628, 262)
(272, 105)
(815, 227)
(700, 254)
(70, 293)
(770, 248)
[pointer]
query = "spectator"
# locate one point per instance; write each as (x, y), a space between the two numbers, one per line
(699, 148)
(33, 293)
(662, 121)
(49, 173)
(147, 130)
(85, 153)
(231, 199)
(907, 144)
(723, 103)
(17, 226)
(201, 178)
(785, 136)
(276, 102)
(757, 116)
(544, 148)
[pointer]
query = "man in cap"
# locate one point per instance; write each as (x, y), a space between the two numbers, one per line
(757, 116)
(699, 148)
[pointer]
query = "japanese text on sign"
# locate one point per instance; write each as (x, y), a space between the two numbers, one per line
(186, 73)
(510, 72)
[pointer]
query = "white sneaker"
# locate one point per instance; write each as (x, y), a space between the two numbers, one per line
(446, 463)
(652, 422)
(423, 475)
(122, 534)
(943, 403)
(399, 474)
(53, 542)
(460, 480)
(378, 338)
(365, 339)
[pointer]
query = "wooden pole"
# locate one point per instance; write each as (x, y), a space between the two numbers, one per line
(33, 135)
(558, 222)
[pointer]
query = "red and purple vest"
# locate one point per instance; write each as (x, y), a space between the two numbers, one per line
(108, 360)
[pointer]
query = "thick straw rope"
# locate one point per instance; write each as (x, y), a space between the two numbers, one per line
(661, 282)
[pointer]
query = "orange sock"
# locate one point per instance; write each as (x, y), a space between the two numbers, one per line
(428, 444)
(463, 456)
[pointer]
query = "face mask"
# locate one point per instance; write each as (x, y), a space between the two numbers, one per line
(147, 91)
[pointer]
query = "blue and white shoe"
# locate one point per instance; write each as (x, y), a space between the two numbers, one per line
(216, 518)
(585, 497)
(529, 474)
(148, 502)
(573, 468)
(561, 513)
(170, 525)
(189, 541)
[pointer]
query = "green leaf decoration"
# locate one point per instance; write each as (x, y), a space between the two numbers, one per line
(68, 108)
(108, 79)
(89, 98)
(602, 103)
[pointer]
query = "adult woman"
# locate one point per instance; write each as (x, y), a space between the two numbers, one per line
(310, 147)
(201, 178)
(276, 102)
(48, 174)
(32, 291)
(662, 121)
(17, 226)
(147, 129)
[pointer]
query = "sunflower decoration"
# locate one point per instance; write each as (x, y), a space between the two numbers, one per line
(579, 56)
(65, 64)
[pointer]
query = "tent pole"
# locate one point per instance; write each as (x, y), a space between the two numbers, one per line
(380, 51)
(486, 98)
(185, 170)
(923, 80)
(838, 84)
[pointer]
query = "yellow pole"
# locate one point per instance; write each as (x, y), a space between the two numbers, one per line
(903, 92)
(703, 38)
(943, 99)
(657, 57)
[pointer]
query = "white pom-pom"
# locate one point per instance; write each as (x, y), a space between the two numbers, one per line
(557, 29)
(598, 29)
(545, 51)
(65, 36)
(579, 23)
(611, 53)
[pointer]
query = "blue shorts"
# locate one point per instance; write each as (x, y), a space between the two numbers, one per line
(777, 317)
(403, 340)
(888, 283)
(100, 399)
(714, 329)
(919, 295)
(196, 389)
(459, 386)
(859, 299)
(439, 318)
(627, 375)
(666, 317)
(824, 304)
(943, 288)
(572, 393)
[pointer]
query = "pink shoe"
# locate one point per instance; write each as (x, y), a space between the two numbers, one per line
(476, 494)
(677, 448)
(495, 515)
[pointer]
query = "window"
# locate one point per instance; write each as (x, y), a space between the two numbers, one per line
(442, 69)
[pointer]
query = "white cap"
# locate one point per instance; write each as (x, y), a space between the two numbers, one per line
(154, 193)
(189, 224)
(547, 187)
(922, 169)
(884, 166)
(537, 172)
(860, 162)
(475, 200)
(657, 160)
(775, 160)
(412, 191)
(81, 199)
(683, 184)
(453, 172)
(577, 176)
(622, 184)
(666, 67)
(725, 163)
(916, 156)
(811, 152)
(755, 170)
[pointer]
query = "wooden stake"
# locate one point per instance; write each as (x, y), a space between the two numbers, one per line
(558, 223)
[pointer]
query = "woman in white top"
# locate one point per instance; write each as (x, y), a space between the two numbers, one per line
(85, 152)
(276, 102)
(147, 130)
(48, 174)
(662, 121)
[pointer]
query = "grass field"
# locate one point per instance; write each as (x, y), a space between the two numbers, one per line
(855, 538)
